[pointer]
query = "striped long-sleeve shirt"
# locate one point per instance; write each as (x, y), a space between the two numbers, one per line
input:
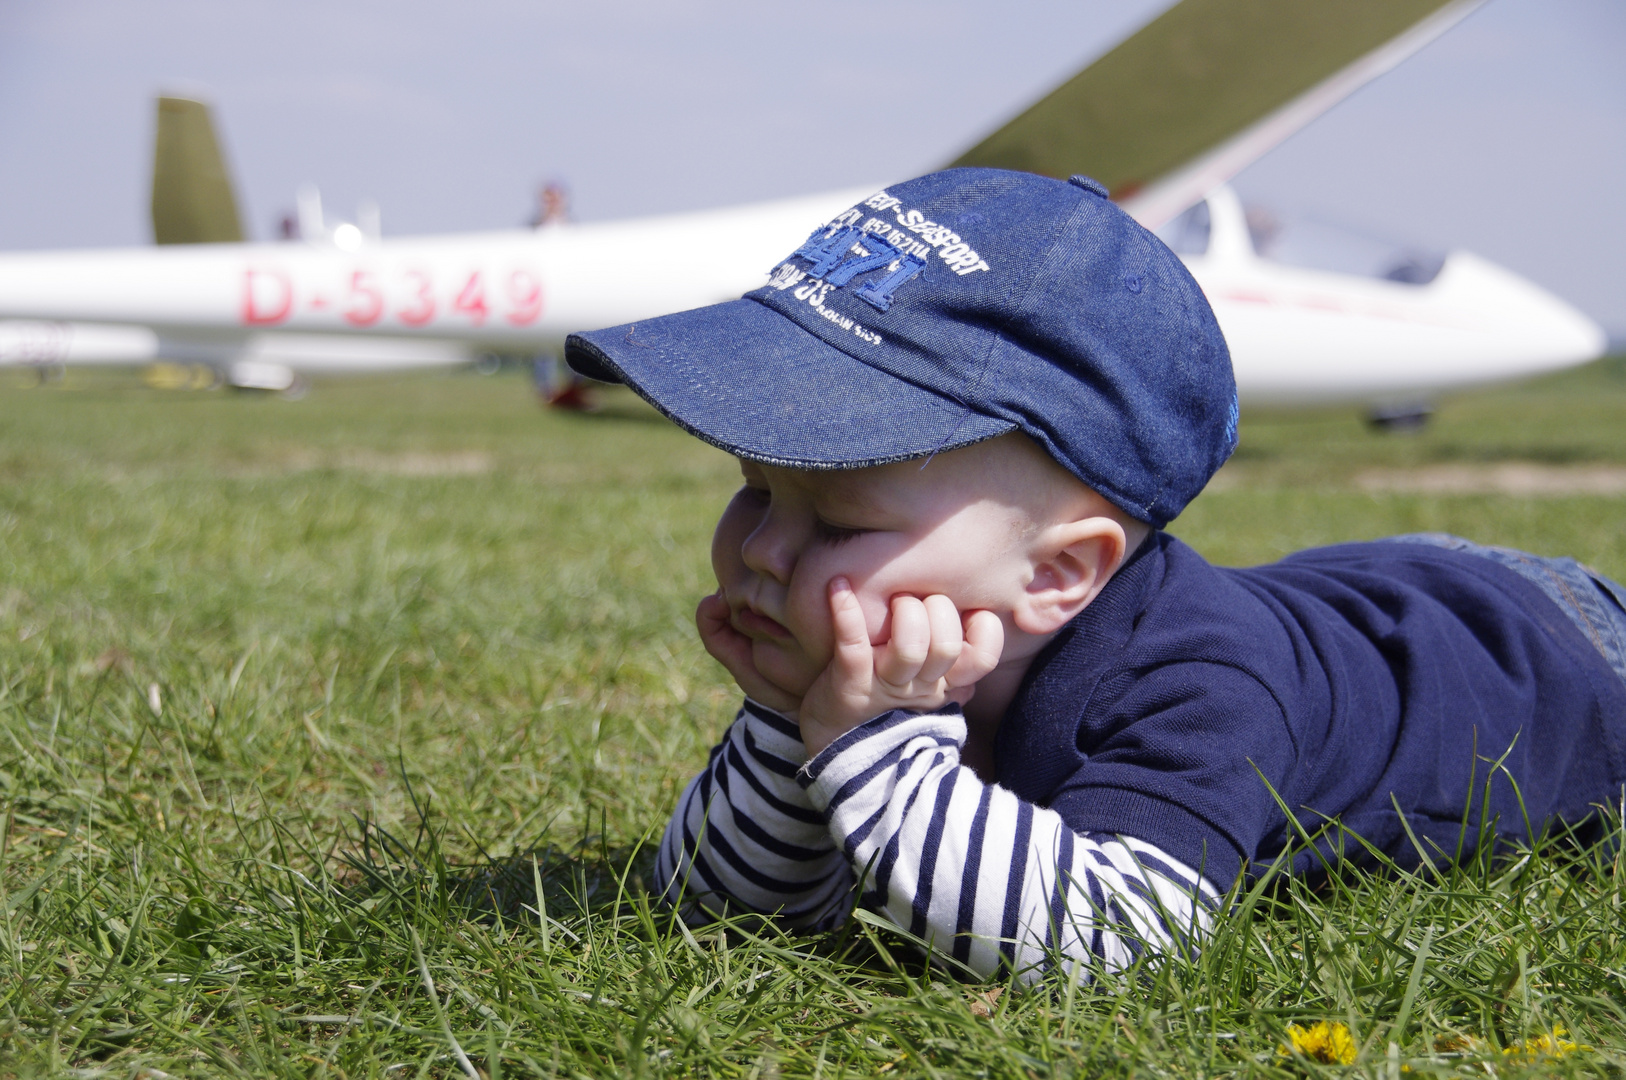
(963, 865)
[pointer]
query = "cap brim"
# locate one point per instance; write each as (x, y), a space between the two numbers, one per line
(750, 381)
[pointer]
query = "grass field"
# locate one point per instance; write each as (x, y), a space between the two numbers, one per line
(301, 704)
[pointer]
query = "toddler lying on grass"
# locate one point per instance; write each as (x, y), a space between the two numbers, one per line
(987, 695)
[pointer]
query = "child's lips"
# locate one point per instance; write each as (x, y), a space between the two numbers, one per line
(754, 622)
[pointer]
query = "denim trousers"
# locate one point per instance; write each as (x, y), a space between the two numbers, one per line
(1593, 602)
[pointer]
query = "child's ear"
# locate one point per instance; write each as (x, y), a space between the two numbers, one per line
(1071, 563)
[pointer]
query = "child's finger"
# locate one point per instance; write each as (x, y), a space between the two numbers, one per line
(716, 633)
(854, 658)
(899, 661)
(711, 614)
(732, 649)
(946, 638)
(984, 641)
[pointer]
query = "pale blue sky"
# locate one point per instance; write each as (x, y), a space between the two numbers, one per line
(1507, 136)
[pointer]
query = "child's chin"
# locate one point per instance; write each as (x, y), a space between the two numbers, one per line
(787, 673)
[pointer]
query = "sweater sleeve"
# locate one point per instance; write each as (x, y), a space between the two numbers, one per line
(746, 837)
(968, 867)
(980, 874)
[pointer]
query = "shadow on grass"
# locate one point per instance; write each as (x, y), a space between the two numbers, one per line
(586, 881)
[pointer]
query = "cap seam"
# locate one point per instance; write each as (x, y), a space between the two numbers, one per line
(1105, 487)
(810, 326)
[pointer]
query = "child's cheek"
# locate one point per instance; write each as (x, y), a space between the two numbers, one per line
(808, 599)
(877, 615)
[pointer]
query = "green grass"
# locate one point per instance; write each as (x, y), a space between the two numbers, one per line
(300, 701)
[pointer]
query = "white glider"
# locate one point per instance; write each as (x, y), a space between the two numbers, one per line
(1164, 119)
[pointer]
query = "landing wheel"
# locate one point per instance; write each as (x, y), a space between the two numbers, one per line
(1407, 418)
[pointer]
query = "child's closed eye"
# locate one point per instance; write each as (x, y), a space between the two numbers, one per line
(836, 534)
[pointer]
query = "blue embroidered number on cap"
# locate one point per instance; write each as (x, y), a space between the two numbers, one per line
(825, 249)
(835, 262)
(880, 253)
(878, 293)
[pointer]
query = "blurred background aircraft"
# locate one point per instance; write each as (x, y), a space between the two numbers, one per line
(1180, 106)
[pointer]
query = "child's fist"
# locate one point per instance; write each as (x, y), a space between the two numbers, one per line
(933, 657)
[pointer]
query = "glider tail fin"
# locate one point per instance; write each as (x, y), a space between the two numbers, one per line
(192, 197)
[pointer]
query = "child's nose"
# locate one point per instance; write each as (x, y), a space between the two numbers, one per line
(771, 550)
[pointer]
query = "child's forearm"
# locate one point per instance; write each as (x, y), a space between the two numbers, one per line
(965, 865)
(980, 874)
(746, 837)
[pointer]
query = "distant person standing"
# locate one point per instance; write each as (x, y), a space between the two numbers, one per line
(560, 387)
(552, 205)
(556, 384)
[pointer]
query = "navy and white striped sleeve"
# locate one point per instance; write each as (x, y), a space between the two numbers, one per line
(746, 838)
(980, 874)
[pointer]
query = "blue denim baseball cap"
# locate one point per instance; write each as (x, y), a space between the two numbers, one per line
(944, 311)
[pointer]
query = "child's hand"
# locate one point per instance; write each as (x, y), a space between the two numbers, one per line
(932, 658)
(732, 649)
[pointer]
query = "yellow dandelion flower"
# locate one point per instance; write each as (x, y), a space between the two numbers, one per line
(1328, 1043)
(1551, 1044)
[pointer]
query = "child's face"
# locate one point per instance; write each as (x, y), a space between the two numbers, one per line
(956, 526)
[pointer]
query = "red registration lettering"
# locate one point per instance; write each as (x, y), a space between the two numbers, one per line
(525, 296)
(472, 300)
(366, 300)
(424, 310)
(268, 297)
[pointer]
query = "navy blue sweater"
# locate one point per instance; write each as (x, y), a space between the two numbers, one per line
(1349, 680)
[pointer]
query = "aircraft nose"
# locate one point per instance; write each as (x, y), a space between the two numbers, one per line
(1583, 336)
(1525, 320)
